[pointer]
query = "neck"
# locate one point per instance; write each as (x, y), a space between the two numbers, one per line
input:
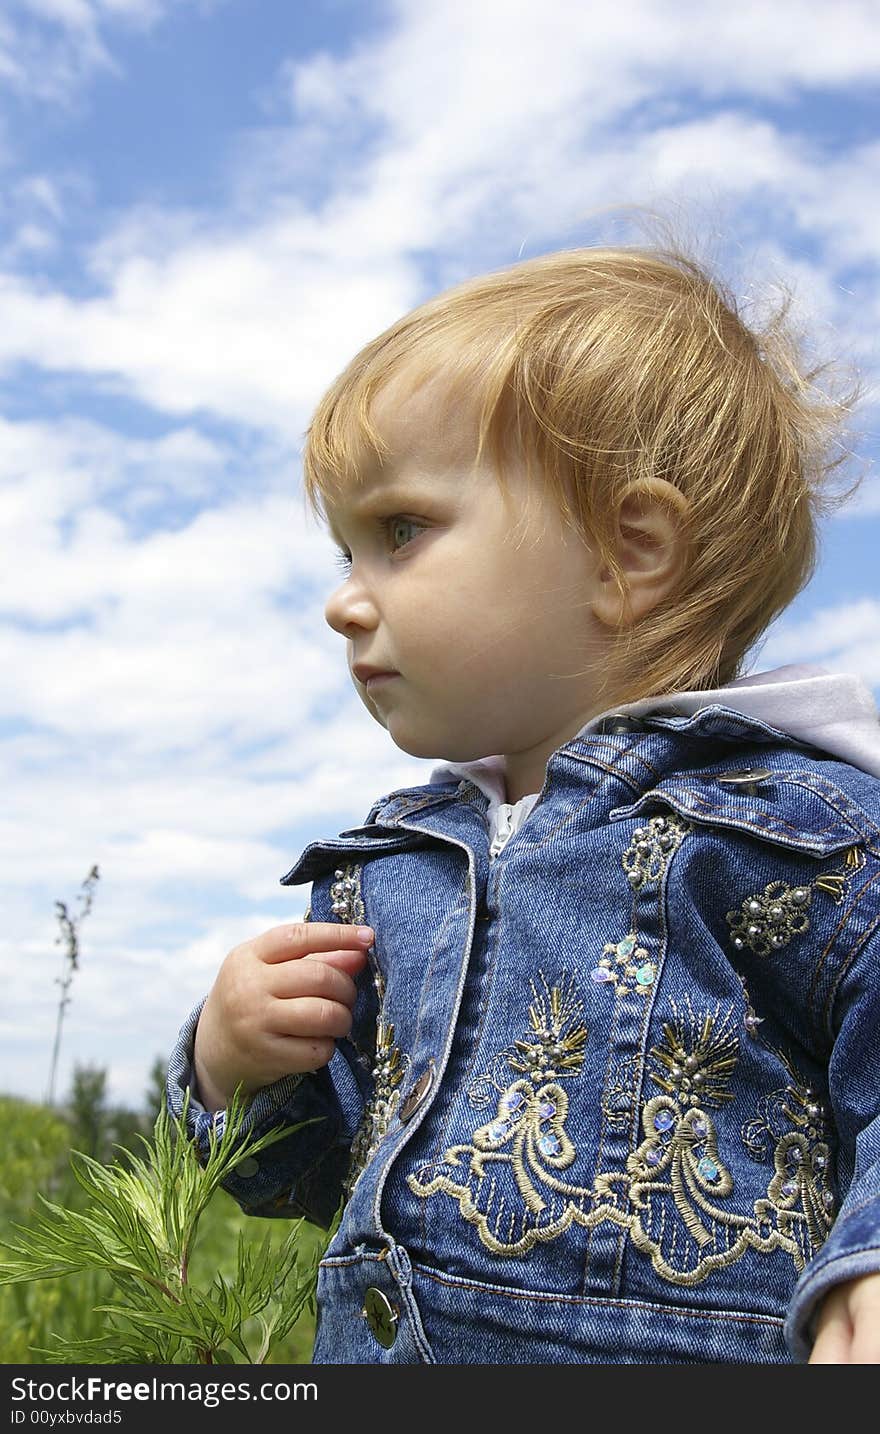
(524, 772)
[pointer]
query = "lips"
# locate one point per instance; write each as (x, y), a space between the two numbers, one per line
(367, 674)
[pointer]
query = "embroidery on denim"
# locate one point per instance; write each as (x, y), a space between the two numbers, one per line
(389, 1069)
(667, 1199)
(345, 894)
(619, 1098)
(385, 1062)
(769, 920)
(625, 965)
(506, 1181)
(792, 1128)
(676, 1176)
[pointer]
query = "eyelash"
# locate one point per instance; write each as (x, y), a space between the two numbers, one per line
(343, 560)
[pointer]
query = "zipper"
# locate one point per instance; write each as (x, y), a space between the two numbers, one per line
(504, 831)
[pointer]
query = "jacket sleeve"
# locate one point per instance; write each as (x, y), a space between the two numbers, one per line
(853, 1006)
(303, 1173)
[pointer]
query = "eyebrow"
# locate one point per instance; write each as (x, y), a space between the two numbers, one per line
(380, 490)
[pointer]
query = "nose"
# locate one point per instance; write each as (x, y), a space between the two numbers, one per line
(350, 607)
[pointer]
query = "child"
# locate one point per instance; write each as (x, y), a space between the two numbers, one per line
(586, 1027)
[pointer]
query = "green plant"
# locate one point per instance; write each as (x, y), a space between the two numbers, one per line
(138, 1229)
(69, 938)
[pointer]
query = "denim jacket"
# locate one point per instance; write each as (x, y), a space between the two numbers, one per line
(611, 1095)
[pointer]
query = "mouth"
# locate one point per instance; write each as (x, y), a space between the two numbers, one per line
(371, 677)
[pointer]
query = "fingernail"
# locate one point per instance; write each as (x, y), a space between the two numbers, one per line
(365, 933)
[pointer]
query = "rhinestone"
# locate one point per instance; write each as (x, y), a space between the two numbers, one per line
(776, 912)
(663, 1120)
(700, 1129)
(755, 907)
(789, 1188)
(708, 1169)
(653, 1157)
(828, 1200)
(645, 975)
(601, 974)
(800, 895)
(549, 1144)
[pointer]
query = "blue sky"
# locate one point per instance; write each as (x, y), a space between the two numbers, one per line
(205, 208)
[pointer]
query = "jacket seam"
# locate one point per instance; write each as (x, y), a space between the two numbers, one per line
(823, 1020)
(847, 963)
(551, 1297)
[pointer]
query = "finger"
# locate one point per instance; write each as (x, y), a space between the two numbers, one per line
(312, 976)
(865, 1307)
(311, 1017)
(292, 1055)
(832, 1344)
(348, 961)
(289, 943)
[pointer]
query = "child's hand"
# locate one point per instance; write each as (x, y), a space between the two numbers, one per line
(848, 1329)
(277, 1006)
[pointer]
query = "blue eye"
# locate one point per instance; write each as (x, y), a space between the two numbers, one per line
(393, 526)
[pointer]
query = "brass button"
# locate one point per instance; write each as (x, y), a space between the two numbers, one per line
(744, 779)
(381, 1316)
(409, 1106)
(621, 722)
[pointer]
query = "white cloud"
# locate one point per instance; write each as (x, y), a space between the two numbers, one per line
(844, 638)
(50, 49)
(252, 321)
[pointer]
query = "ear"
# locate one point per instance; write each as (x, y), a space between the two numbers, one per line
(650, 546)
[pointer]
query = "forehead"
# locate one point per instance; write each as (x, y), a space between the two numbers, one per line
(427, 438)
(424, 419)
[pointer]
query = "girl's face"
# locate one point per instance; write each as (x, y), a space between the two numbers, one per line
(489, 647)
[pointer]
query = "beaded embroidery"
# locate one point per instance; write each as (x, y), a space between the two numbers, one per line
(389, 1069)
(625, 965)
(513, 1159)
(506, 1181)
(792, 1128)
(387, 1066)
(345, 894)
(767, 921)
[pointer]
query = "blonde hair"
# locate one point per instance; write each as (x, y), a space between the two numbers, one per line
(606, 368)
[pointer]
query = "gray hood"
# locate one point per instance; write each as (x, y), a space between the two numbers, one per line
(834, 711)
